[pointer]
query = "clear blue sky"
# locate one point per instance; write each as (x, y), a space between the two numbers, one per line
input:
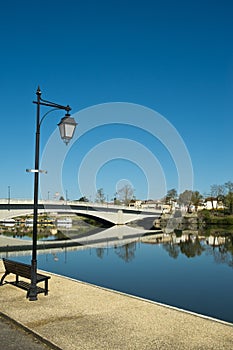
(174, 57)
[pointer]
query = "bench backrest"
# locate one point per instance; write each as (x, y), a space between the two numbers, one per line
(17, 268)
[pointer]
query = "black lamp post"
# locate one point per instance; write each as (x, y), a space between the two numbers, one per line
(9, 197)
(67, 127)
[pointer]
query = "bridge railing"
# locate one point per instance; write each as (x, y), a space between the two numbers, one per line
(73, 203)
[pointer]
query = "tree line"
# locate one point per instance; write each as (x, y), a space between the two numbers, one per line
(221, 193)
(123, 196)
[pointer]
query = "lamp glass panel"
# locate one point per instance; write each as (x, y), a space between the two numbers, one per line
(69, 130)
(62, 130)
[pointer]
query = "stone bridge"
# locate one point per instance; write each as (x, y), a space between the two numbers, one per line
(115, 215)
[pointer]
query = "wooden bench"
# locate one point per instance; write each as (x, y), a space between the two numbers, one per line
(24, 270)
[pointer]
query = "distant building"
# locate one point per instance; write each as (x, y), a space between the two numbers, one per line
(213, 203)
(135, 203)
(150, 203)
(146, 204)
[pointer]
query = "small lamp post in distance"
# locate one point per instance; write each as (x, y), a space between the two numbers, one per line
(67, 127)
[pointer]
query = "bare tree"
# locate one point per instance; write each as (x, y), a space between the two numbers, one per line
(100, 197)
(185, 197)
(229, 186)
(125, 194)
(217, 190)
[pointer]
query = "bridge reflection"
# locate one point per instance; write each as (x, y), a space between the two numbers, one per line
(114, 236)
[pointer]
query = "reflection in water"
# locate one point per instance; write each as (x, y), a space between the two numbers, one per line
(223, 254)
(191, 244)
(191, 247)
(194, 243)
(214, 241)
(126, 252)
(172, 249)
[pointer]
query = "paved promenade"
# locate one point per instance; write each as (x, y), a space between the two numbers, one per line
(77, 315)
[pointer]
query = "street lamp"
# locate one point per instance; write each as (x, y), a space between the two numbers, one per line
(67, 127)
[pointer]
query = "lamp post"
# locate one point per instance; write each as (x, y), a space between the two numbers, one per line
(66, 196)
(67, 127)
(9, 197)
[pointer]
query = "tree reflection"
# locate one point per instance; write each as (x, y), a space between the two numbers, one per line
(172, 249)
(126, 252)
(218, 244)
(223, 257)
(100, 252)
(229, 244)
(191, 248)
(222, 253)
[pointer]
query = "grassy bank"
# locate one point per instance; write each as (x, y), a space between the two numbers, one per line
(215, 218)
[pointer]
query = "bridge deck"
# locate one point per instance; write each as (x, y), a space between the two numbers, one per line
(113, 214)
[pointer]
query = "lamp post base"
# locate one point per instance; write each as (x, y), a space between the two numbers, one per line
(32, 292)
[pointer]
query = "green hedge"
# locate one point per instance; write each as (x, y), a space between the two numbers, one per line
(210, 218)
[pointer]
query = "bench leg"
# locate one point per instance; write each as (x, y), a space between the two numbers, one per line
(46, 287)
(3, 277)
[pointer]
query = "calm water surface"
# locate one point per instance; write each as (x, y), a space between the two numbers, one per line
(192, 275)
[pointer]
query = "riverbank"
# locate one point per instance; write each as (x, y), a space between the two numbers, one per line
(196, 220)
(77, 315)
